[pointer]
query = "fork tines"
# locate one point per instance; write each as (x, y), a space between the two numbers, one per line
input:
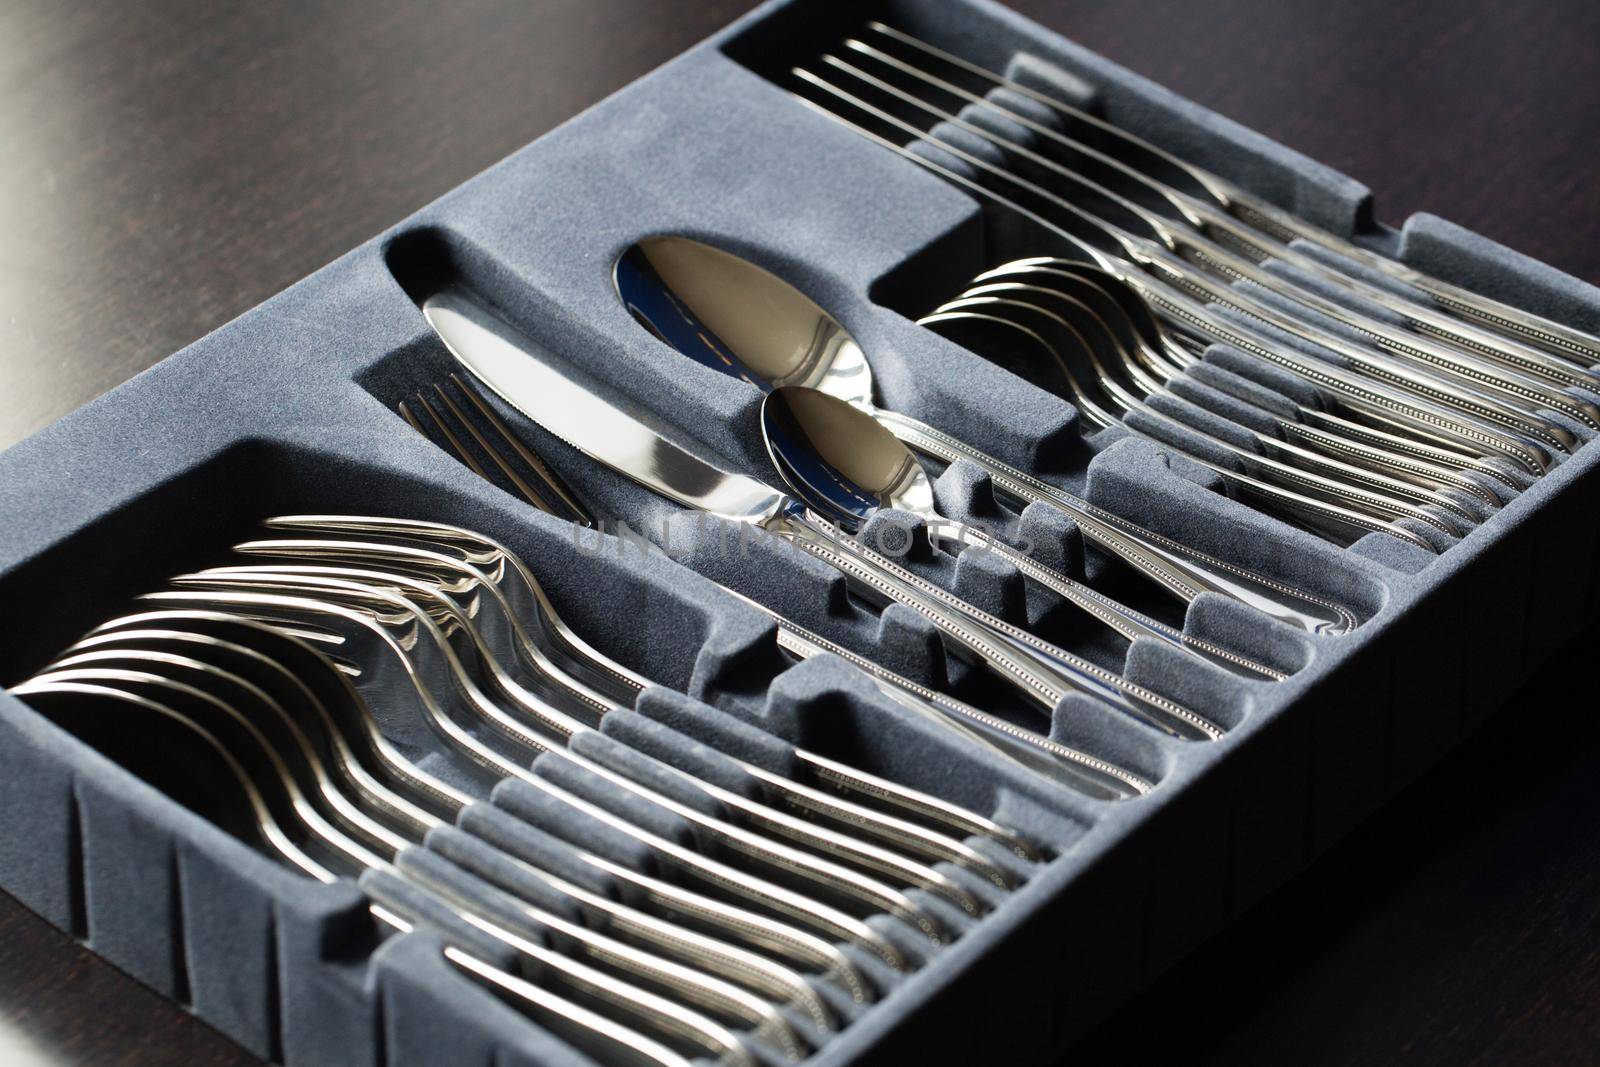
(463, 423)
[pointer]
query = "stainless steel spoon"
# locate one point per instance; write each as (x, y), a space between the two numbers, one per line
(1272, 459)
(1150, 346)
(1323, 513)
(853, 442)
(831, 456)
(731, 315)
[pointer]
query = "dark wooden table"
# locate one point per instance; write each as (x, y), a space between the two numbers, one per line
(166, 164)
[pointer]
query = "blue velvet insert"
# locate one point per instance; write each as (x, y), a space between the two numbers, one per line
(291, 409)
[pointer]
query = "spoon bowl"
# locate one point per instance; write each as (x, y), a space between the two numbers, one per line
(841, 459)
(721, 310)
(741, 320)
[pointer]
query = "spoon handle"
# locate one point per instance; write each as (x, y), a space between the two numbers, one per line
(1182, 571)
(893, 582)
(1040, 669)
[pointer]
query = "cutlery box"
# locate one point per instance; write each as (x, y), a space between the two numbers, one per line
(291, 409)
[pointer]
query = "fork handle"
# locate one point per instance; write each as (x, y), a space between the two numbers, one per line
(1575, 345)
(1182, 571)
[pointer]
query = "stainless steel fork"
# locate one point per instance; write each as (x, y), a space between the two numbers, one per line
(1244, 221)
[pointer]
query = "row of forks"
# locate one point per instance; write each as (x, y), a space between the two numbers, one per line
(293, 669)
(1428, 392)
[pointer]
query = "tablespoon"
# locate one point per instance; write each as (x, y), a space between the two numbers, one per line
(1424, 477)
(1271, 459)
(851, 442)
(1323, 513)
(726, 312)
(857, 428)
(808, 436)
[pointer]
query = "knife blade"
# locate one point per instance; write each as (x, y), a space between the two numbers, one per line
(502, 357)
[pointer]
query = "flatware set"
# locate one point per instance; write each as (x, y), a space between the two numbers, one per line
(666, 874)
(286, 668)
